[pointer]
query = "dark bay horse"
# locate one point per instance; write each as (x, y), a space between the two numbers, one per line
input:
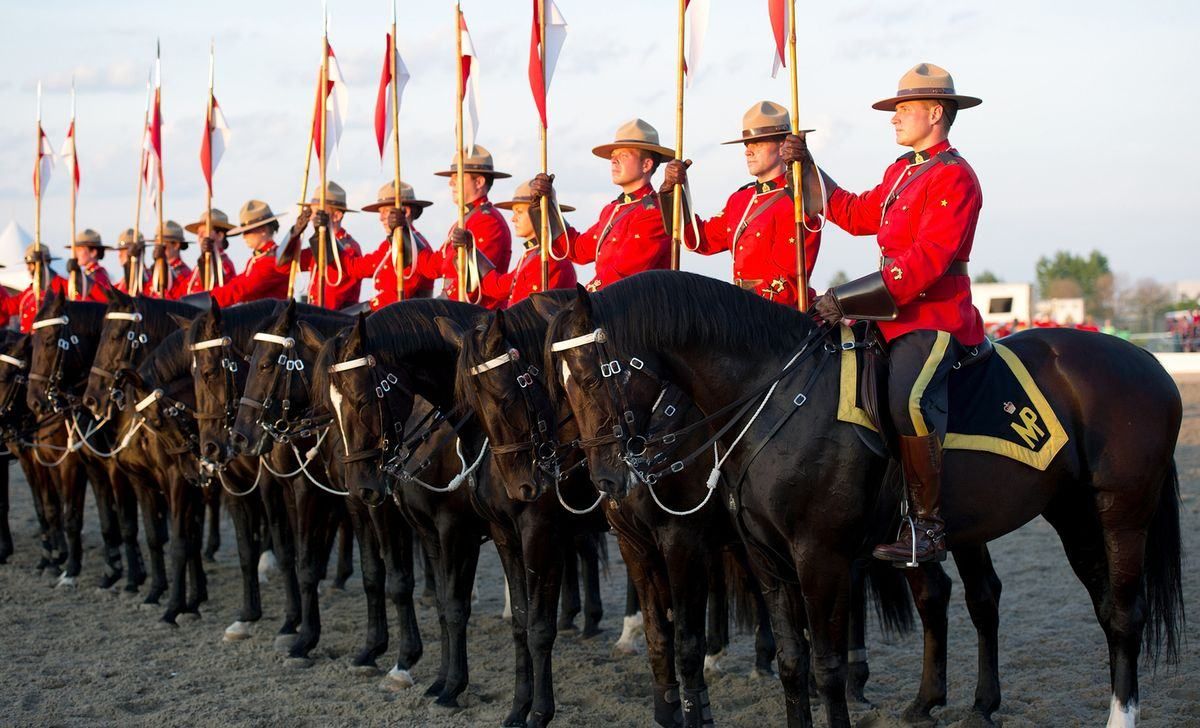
(806, 487)
(537, 460)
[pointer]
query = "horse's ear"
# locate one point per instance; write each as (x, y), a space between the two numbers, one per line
(546, 306)
(360, 330)
(119, 297)
(498, 323)
(290, 309)
(310, 336)
(583, 301)
(216, 314)
(133, 376)
(451, 330)
(183, 322)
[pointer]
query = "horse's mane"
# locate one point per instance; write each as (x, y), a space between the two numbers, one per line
(86, 317)
(238, 322)
(322, 319)
(167, 362)
(407, 328)
(664, 310)
(157, 312)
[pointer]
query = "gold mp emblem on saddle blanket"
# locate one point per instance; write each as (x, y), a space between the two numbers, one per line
(995, 406)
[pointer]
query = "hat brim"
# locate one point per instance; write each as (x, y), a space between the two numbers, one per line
(604, 151)
(331, 205)
(46, 259)
(760, 137)
(964, 102)
(380, 204)
(481, 172)
(89, 245)
(508, 205)
(195, 227)
(234, 232)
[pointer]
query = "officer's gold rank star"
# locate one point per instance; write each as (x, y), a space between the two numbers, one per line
(943, 203)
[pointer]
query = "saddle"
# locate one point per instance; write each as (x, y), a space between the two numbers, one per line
(995, 405)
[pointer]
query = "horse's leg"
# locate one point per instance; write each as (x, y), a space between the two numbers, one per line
(507, 545)
(345, 563)
(931, 593)
(460, 556)
(688, 567)
(110, 526)
(653, 596)
(429, 595)
(569, 607)
(825, 583)
(214, 499)
(857, 669)
(315, 534)
(6, 539)
(195, 554)
(788, 619)
(127, 508)
(632, 624)
(47, 513)
(72, 489)
(177, 498)
(717, 631)
(593, 605)
(396, 539)
(280, 510)
(543, 578)
(243, 511)
(981, 589)
(154, 522)
(373, 581)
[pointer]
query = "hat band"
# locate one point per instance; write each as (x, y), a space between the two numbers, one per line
(257, 220)
(474, 168)
(619, 142)
(926, 91)
(763, 130)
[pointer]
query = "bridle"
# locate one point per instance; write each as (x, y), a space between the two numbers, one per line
(135, 339)
(179, 412)
(229, 369)
(59, 400)
(287, 367)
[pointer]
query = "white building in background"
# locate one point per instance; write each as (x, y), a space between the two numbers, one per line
(1000, 303)
(1065, 311)
(1187, 289)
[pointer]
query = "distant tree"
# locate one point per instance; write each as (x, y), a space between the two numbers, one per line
(839, 278)
(1143, 304)
(1091, 274)
(987, 277)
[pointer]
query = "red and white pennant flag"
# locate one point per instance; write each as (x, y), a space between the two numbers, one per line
(153, 143)
(336, 104)
(556, 35)
(779, 31)
(216, 139)
(44, 164)
(68, 149)
(469, 76)
(696, 14)
(383, 101)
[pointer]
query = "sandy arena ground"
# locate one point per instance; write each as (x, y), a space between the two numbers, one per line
(91, 658)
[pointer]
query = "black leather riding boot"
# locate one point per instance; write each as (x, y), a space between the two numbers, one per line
(921, 458)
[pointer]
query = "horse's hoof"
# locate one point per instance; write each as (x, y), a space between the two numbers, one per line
(917, 714)
(449, 702)
(236, 632)
(284, 642)
(210, 558)
(396, 680)
(130, 588)
(298, 663)
(166, 624)
(66, 582)
(712, 664)
(365, 670)
(190, 616)
(762, 673)
(435, 688)
(975, 719)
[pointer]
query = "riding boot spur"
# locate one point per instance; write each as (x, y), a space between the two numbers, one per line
(924, 539)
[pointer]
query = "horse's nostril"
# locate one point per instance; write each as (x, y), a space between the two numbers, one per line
(527, 491)
(90, 402)
(371, 497)
(210, 450)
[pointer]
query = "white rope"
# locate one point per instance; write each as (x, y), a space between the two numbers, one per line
(230, 491)
(711, 484)
(149, 400)
(303, 462)
(123, 443)
(597, 335)
(59, 321)
(123, 316)
(576, 511)
(459, 479)
(37, 448)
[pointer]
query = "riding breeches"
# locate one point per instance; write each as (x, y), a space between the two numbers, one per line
(918, 381)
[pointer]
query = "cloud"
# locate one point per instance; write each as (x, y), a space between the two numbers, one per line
(118, 76)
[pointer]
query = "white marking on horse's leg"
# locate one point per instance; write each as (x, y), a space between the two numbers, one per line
(632, 626)
(237, 631)
(267, 565)
(1122, 716)
(712, 663)
(507, 613)
(66, 582)
(398, 679)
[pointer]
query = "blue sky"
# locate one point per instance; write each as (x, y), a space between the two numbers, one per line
(1083, 140)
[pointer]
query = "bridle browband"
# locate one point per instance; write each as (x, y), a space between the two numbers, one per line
(135, 339)
(289, 364)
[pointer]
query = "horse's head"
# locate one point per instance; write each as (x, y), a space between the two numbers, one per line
(166, 407)
(369, 403)
(14, 376)
(606, 390)
(266, 398)
(121, 338)
(218, 369)
(52, 345)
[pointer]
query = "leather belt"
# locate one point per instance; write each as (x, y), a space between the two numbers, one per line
(957, 267)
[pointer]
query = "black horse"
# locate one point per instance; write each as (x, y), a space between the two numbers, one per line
(806, 486)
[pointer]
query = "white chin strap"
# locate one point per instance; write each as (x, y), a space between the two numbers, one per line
(507, 357)
(59, 321)
(18, 363)
(345, 366)
(286, 342)
(210, 344)
(597, 335)
(123, 316)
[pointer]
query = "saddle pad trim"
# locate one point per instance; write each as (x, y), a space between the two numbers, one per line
(848, 409)
(1040, 459)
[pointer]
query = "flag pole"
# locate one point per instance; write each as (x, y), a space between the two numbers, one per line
(209, 275)
(398, 233)
(461, 262)
(161, 271)
(544, 251)
(135, 252)
(677, 196)
(76, 287)
(797, 171)
(37, 207)
(294, 269)
(321, 159)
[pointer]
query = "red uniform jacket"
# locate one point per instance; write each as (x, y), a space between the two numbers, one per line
(526, 278)
(97, 284)
(759, 225)
(378, 265)
(260, 279)
(24, 305)
(492, 239)
(338, 293)
(195, 282)
(929, 225)
(627, 239)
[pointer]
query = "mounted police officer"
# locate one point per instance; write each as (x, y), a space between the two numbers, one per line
(526, 276)
(25, 305)
(380, 265)
(341, 289)
(924, 214)
(216, 229)
(91, 280)
(262, 277)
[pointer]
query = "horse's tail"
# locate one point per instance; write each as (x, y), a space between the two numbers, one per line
(885, 586)
(1162, 574)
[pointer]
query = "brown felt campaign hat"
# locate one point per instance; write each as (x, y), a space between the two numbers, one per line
(254, 214)
(220, 221)
(125, 239)
(33, 252)
(764, 120)
(172, 233)
(335, 197)
(387, 198)
(926, 81)
(524, 196)
(88, 238)
(479, 161)
(635, 134)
